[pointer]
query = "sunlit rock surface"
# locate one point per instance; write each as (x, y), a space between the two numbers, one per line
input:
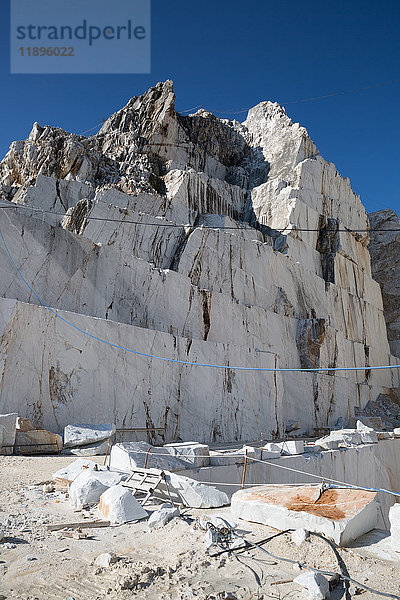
(192, 238)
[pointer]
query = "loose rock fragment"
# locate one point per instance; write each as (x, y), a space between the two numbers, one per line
(90, 485)
(315, 583)
(119, 506)
(368, 434)
(299, 536)
(104, 560)
(162, 516)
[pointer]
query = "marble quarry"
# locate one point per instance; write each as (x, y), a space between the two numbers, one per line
(194, 239)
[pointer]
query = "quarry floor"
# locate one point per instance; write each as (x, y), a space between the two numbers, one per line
(168, 563)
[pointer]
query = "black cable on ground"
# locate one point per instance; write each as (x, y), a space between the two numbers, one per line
(246, 547)
(343, 575)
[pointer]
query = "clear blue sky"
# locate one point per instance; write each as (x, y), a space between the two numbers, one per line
(226, 54)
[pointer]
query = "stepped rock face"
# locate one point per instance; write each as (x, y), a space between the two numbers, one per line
(197, 239)
(384, 248)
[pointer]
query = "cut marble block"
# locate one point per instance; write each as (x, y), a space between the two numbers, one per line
(128, 455)
(8, 428)
(78, 466)
(83, 435)
(394, 518)
(339, 514)
(193, 453)
(38, 441)
(194, 494)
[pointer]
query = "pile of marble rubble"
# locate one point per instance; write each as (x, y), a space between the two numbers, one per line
(88, 482)
(343, 516)
(155, 233)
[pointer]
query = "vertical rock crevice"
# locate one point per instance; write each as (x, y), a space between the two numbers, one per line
(327, 246)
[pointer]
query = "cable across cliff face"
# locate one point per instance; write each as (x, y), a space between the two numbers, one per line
(188, 266)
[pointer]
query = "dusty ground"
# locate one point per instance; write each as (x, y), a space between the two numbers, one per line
(170, 563)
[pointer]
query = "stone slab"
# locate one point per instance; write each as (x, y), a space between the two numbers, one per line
(128, 455)
(340, 514)
(394, 518)
(8, 427)
(193, 453)
(194, 494)
(289, 447)
(98, 449)
(83, 435)
(39, 441)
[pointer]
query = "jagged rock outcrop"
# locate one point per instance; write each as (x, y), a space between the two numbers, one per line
(384, 248)
(194, 238)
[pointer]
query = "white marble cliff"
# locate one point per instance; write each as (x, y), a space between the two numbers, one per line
(193, 238)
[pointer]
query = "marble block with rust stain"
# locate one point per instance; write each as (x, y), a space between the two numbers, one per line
(341, 514)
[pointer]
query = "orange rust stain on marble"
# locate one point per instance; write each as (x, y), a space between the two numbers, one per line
(335, 504)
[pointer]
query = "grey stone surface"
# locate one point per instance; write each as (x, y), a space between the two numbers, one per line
(8, 428)
(341, 438)
(368, 434)
(84, 435)
(125, 456)
(162, 516)
(384, 248)
(98, 449)
(287, 447)
(194, 494)
(193, 453)
(75, 468)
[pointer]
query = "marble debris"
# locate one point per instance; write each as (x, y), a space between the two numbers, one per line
(316, 584)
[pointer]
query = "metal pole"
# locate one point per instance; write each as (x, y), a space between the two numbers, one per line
(244, 469)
